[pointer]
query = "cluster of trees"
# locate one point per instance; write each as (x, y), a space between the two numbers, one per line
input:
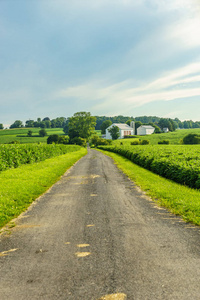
(78, 129)
(158, 123)
(41, 123)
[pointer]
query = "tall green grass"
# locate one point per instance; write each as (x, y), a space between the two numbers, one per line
(20, 187)
(179, 199)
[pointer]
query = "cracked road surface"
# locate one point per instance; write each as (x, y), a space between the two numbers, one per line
(94, 235)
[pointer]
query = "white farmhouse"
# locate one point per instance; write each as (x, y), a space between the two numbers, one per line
(124, 130)
(145, 130)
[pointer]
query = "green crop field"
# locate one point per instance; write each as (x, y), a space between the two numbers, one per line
(14, 155)
(179, 163)
(20, 135)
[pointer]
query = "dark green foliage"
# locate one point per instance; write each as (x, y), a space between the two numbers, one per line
(191, 139)
(163, 142)
(78, 141)
(144, 142)
(105, 125)
(178, 163)
(140, 142)
(135, 143)
(96, 141)
(1, 126)
(30, 133)
(114, 132)
(167, 123)
(29, 123)
(53, 138)
(63, 140)
(56, 139)
(82, 125)
(42, 132)
(12, 156)
(137, 125)
(17, 124)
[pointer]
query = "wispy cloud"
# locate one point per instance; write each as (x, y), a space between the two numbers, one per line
(165, 88)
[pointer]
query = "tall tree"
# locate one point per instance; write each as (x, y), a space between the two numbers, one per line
(105, 125)
(114, 132)
(83, 124)
(17, 124)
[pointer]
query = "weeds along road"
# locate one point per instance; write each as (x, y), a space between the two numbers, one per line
(94, 235)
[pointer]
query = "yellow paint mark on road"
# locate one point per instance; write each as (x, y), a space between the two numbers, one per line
(93, 195)
(114, 297)
(83, 245)
(67, 243)
(5, 253)
(95, 176)
(90, 225)
(82, 254)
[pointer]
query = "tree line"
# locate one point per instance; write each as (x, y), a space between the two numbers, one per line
(102, 121)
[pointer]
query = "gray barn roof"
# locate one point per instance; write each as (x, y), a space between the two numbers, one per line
(121, 126)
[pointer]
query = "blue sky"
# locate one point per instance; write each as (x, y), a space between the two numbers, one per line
(109, 57)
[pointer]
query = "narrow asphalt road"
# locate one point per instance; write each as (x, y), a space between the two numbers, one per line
(94, 235)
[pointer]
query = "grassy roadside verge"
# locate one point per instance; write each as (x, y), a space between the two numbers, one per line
(20, 187)
(179, 199)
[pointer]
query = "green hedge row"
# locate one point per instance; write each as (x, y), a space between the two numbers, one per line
(12, 156)
(178, 163)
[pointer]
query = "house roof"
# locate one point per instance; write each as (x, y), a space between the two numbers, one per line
(121, 126)
(146, 127)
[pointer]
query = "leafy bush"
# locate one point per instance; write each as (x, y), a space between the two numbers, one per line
(53, 138)
(63, 140)
(144, 142)
(56, 139)
(42, 132)
(30, 133)
(140, 142)
(191, 139)
(78, 141)
(163, 142)
(96, 141)
(135, 143)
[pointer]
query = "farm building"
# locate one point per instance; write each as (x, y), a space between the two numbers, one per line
(165, 130)
(145, 130)
(124, 130)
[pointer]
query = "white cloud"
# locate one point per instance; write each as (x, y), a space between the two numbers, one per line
(165, 88)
